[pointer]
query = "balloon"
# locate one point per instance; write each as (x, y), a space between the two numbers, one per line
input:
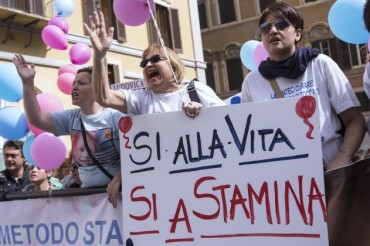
(63, 8)
(11, 87)
(346, 21)
(48, 103)
(65, 82)
(80, 54)
(260, 54)
(247, 54)
(54, 37)
(27, 149)
(60, 22)
(48, 151)
(132, 12)
(13, 124)
(68, 68)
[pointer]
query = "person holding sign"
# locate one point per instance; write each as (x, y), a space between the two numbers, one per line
(163, 71)
(295, 72)
(98, 121)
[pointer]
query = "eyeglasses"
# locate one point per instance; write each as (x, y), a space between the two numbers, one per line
(30, 167)
(280, 25)
(153, 59)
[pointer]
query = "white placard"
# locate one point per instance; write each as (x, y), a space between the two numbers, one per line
(246, 174)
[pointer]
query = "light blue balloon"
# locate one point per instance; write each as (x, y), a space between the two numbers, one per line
(63, 8)
(346, 21)
(11, 87)
(13, 123)
(27, 149)
(247, 54)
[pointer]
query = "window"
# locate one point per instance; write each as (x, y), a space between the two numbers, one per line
(169, 27)
(105, 6)
(202, 15)
(265, 3)
(30, 6)
(323, 46)
(364, 101)
(234, 73)
(357, 54)
(227, 11)
(210, 76)
(113, 74)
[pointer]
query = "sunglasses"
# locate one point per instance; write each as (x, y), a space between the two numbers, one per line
(280, 25)
(153, 59)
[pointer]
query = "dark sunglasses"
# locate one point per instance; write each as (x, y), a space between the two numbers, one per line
(153, 59)
(280, 25)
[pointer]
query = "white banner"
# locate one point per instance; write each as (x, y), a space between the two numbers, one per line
(246, 174)
(82, 220)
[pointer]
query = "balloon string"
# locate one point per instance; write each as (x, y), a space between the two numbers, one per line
(161, 40)
(127, 140)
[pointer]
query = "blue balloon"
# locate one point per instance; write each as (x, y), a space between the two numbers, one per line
(346, 21)
(247, 54)
(13, 123)
(27, 149)
(11, 87)
(63, 8)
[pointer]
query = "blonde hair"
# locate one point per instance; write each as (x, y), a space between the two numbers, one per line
(176, 62)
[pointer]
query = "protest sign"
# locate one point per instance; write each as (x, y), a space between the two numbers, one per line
(246, 174)
(77, 220)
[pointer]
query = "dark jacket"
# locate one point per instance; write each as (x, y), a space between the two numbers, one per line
(9, 184)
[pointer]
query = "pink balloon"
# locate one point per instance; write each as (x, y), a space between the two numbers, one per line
(132, 12)
(65, 82)
(80, 54)
(60, 22)
(48, 151)
(260, 54)
(54, 37)
(68, 68)
(48, 103)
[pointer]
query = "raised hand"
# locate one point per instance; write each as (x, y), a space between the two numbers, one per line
(26, 72)
(191, 109)
(100, 39)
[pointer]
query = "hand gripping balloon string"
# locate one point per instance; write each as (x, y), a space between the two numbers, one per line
(161, 40)
(127, 140)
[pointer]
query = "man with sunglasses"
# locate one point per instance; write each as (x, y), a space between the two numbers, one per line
(16, 175)
(297, 72)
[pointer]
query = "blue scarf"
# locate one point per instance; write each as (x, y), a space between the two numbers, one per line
(290, 68)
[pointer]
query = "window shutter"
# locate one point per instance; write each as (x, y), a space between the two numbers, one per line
(116, 73)
(38, 7)
(88, 10)
(119, 28)
(153, 33)
(175, 30)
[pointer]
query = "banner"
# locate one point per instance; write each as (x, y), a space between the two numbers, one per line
(78, 220)
(246, 174)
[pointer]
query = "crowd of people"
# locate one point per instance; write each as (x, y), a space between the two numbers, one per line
(93, 126)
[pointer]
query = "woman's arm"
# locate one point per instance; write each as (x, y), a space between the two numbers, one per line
(101, 42)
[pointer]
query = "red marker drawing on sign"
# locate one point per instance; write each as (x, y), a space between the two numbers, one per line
(305, 108)
(124, 124)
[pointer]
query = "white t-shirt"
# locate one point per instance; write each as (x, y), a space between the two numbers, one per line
(323, 78)
(367, 79)
(145, 101)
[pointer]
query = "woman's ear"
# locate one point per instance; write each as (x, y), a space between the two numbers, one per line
(298, 35)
